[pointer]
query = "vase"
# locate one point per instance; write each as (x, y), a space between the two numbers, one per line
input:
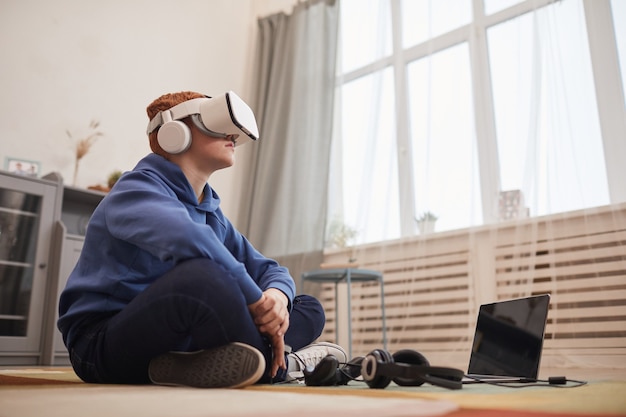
(426, 227)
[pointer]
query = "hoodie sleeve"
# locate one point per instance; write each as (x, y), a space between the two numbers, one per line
(266, 272)
(147, 214)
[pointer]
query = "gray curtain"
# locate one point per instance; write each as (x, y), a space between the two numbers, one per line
(284, 202)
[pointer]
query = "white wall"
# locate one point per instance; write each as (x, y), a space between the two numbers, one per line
(67, 62)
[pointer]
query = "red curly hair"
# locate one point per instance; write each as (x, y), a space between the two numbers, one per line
(165, 102)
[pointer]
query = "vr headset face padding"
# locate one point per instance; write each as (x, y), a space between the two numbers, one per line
(379, 368)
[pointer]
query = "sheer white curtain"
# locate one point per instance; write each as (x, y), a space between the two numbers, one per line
(364, 194)
(444, 122)
(285, 199)
(508, 124)
(549, 135)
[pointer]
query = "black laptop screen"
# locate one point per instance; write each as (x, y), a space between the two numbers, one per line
(509, 337)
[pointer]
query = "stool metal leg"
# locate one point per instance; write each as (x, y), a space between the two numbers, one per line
(349, 282)
(336, 312)
(382, 309)
(345, 275)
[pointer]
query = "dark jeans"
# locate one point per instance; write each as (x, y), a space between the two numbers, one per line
(192, 307)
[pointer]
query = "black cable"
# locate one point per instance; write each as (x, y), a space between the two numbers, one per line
(342, 368)
(553, 381)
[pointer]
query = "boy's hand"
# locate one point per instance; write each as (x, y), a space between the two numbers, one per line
(272, 319)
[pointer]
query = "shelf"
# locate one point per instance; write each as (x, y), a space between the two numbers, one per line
(12, 317)
(42, 227)
(78, 205)
(18, 212)
(13, 263)
(29, 207)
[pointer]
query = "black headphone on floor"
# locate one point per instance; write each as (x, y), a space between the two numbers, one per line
(329, 372)
(406, 368)
(379, 367)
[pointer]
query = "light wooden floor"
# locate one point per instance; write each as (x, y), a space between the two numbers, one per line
(603, 395)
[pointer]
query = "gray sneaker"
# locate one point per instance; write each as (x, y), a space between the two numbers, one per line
(311, 355)
(235, 365)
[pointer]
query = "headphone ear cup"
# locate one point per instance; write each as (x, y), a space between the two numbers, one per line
(350, 371)
(324, 373)
(369, 368)
(174, 137)
(410, 357)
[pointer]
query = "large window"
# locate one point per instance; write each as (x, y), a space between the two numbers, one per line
(462, 107)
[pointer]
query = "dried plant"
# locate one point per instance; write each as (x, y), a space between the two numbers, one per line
(84, 145)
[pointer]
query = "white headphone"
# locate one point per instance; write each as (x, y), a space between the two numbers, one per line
(173, 136)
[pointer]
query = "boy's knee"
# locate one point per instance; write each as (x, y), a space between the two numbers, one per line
(196, 277)
(312, 311)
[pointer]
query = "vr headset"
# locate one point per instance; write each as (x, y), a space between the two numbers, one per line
(221, 116)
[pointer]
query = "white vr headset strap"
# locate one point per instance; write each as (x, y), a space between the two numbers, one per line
(180, 111)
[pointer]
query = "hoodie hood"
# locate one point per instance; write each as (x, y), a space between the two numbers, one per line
(169, 173)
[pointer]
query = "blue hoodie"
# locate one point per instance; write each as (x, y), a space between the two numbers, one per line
(149, 222)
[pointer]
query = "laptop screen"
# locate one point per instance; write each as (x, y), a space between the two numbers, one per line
(509, 337)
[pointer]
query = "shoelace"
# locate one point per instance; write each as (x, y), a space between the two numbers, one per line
(311, 358)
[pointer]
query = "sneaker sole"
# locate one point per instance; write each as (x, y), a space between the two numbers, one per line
(235, 365)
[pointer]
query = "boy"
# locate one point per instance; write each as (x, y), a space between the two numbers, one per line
(166, 289)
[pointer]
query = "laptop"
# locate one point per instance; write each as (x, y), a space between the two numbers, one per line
(508, 340)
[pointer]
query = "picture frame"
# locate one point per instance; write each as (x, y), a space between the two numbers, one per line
(22, 167)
